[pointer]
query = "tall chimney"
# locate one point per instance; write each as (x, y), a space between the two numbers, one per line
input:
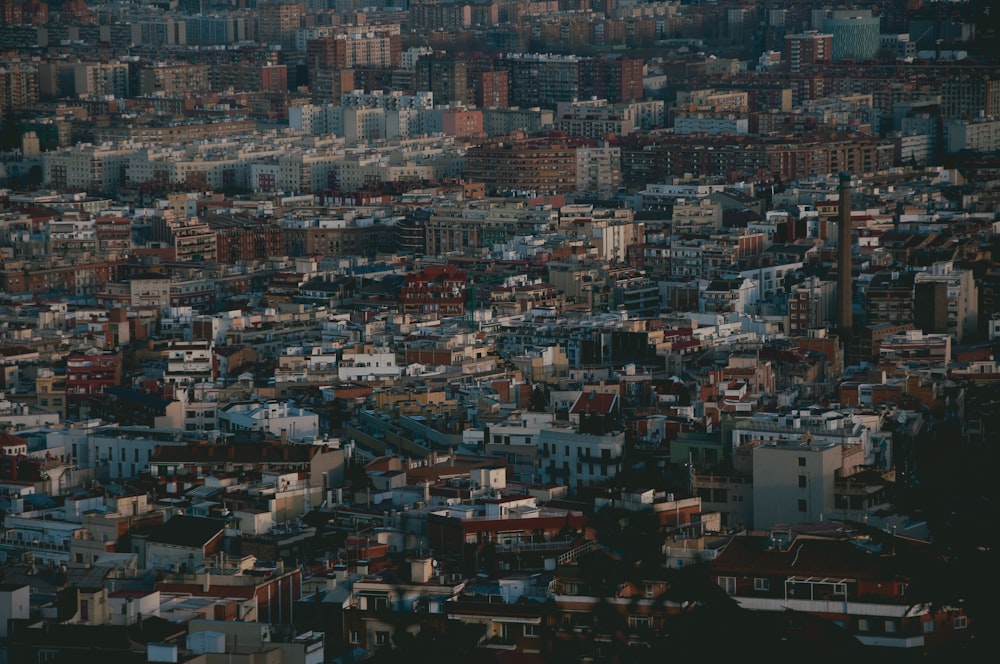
(844, 267)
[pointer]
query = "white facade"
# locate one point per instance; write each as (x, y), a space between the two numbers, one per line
(793, 481)
(711, 124)
(86, 167)
(47, 539)
(982, 135)
(189, 362)
(735, 297)
(127, 608)
(771, 278)
(378, 363)
(121, 452)
(363, 124)
(598, 169)
(577, 459)
(804, 426)
(963, 312)
(23, 416)
(275, 417)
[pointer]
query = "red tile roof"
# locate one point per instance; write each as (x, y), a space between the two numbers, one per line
(595, 402)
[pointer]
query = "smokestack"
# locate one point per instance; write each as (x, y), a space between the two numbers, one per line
(844, 267)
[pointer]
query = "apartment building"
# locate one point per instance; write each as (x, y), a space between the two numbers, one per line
(484, 224)
(598, 169)
(87, 167)
(277, 23)
(522, 164)
(173, 78)
(89, 375)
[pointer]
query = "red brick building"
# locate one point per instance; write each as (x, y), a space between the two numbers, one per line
(462, 123)
(274, 78)
(740, 157)
(615, 79)
(246, 239)
(492, 89)
(114, 235)
(806, 49)
(542, 165)
(23, 12)
(435, 289)
(90, 374)
(67, 278)
(858, 580)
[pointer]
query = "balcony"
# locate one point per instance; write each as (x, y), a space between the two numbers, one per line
(520, 547)
(33, 545)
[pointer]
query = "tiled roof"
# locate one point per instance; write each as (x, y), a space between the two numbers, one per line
(805, 557)
(595, 402)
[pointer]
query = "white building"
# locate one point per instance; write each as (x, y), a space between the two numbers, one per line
(279, 418)
(708, 123)
(368, 363)
(189, 362)
(120, 452)
(87, 167)
(598, 169)
(24, 416)
(961, 293)
(576, 459)
(793, 481)
(982, 135)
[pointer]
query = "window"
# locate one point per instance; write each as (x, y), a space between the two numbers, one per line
(649, 591)
(728, 584)
(863, 625)
(355, 636)
(961, 622)
(381, 638)
(802, 481)
(638, 622)
(762, 584)
(532, 631)
(802, 462)
(890, 626)
(929, 627)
